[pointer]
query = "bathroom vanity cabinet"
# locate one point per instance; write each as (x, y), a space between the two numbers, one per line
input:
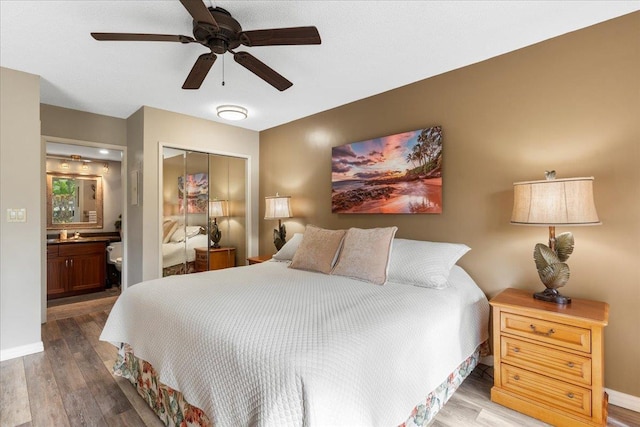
(75, 267)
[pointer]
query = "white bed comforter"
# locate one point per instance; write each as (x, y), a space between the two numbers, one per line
(266, 345)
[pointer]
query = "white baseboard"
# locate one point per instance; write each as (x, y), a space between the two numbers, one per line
(623, 400)
(617, 398)
(23, 350)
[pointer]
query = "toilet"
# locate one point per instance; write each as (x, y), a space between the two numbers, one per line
(115, 254)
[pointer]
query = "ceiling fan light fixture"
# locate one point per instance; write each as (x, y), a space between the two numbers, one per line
(231, 112)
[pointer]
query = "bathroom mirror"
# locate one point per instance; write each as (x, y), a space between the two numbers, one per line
(73, 201)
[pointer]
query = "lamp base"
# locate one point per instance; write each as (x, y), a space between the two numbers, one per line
(215, 234)
(552, 295)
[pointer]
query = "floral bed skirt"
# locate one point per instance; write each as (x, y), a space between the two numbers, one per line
(174, 410)
(173, 270)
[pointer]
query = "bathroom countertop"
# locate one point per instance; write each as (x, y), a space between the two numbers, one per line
(78, 240)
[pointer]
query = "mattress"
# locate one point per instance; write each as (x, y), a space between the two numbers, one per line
(270, 346)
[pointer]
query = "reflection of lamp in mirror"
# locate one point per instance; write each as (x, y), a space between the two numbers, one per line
(217, 209)
(278, 207)
(549, 203)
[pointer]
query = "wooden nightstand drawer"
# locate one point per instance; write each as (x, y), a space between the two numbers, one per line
(559, 334)
(557, 394)
(549, 358)
(215, 258)
(544, 360)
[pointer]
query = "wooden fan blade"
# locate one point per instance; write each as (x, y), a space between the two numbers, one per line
(262, 70)
(199, 12)
(141, 37)
(199, 71)
(280, 36)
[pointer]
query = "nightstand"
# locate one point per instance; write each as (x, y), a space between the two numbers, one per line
(215, 258)
(258, 259)
(549, 358)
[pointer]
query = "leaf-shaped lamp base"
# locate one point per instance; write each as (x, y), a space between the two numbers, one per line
(552, 295)
(552, 269)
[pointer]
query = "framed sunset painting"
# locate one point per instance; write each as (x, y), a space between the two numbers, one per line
(395, 174)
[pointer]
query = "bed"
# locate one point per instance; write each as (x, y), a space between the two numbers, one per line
(178, 249)
(270, 345)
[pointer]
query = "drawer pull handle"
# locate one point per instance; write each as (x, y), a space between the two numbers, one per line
(570, 395)
(516, 377)
(516, 350)
(570, 364)
(546, 334)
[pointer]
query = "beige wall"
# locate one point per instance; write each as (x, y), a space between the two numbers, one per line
(80, 125)
(571, 104)
(21, 186)
(149, 130)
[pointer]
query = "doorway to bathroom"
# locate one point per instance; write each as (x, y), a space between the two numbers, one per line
(85, 212)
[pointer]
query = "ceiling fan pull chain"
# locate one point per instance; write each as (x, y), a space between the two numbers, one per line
(222, 70)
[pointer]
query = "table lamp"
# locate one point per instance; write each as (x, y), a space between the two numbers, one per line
(278, 207)
(217, 208)
(553, 202)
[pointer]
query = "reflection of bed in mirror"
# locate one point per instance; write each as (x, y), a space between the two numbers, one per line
(178, 247)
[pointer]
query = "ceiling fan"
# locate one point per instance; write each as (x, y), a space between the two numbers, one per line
(217, 30)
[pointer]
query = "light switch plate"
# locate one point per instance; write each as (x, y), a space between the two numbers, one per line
(17, 215)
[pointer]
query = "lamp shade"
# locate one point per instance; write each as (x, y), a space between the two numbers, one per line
(277, 207)
(554, 202)
(218, 208)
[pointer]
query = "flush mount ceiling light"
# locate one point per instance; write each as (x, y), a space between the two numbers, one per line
(232, 112)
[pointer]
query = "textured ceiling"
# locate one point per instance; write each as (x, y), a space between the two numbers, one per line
(367, 48)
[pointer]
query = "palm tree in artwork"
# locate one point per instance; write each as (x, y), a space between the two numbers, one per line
(430, 142)
(411, 158)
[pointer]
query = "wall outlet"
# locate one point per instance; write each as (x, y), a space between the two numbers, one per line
(17, 215)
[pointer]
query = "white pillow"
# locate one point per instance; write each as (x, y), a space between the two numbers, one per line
(425, 264)
(185, 232)
(289, 249)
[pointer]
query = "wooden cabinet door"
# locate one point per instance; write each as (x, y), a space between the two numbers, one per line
(56, 277)
(223, 258)
(86, 272)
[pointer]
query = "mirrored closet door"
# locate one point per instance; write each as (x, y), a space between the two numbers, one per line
(204, 211)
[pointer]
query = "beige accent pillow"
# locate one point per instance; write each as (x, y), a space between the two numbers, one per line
(365, 254)
(317, 250)
(168, 228)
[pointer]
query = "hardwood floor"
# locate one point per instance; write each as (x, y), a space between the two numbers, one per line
(70, 383)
